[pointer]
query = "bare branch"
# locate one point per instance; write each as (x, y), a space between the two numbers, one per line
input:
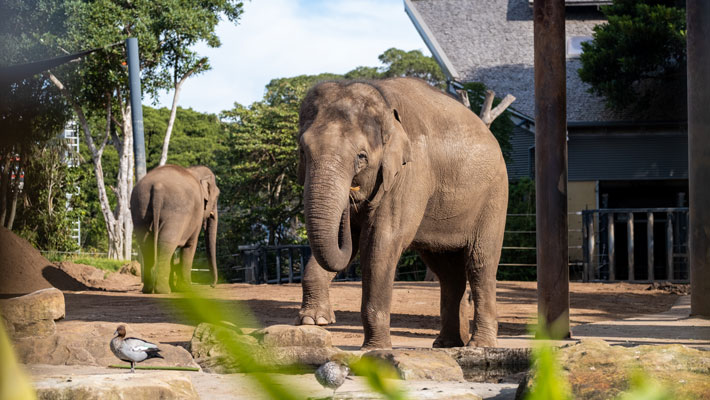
(463, 96)
(487, 115)
(173, 111)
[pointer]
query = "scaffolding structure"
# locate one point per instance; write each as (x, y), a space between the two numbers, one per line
(71, 138)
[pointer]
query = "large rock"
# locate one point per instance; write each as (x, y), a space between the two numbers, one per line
(88, 344)
(290, 335)
(272, 348)
(141, 385)
(421, 364)
(597, 370)
(33, 314)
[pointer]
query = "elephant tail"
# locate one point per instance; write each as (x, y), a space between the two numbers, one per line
(157, 203)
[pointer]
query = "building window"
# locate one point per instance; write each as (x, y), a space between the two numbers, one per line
(574, 45)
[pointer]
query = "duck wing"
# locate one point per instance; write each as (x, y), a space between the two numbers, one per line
(135, 349)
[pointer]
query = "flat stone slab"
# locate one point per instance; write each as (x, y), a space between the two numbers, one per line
(88, 344)
(424, 364)
(146, 385)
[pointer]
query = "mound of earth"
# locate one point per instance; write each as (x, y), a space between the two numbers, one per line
(22, 267)
(24, 270)
(86, 277)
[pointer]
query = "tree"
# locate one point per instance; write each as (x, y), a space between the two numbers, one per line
(637, 60)
(400, 63)
(98, 85)
(261, 189)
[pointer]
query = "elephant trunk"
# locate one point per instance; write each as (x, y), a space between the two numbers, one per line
(327, 212)
(211, 245)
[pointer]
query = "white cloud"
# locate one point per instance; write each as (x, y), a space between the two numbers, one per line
(282, 38)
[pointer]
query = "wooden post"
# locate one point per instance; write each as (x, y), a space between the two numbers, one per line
(590, 247)
(290, 265)
(649, 248)
(278, 265)
(610, 241)
(630, 245)
(669, 246)
(698, 34)
(585, 247)
(551, 165)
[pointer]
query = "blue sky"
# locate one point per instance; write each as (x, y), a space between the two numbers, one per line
(283, 38)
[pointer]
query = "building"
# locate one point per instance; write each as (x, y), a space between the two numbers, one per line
(615, 160)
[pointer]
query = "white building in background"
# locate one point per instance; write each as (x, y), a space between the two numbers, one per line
(70, 135)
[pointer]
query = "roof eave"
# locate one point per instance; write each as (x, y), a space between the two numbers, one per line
(430, 41)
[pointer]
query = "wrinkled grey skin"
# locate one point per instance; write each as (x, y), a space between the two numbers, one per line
(179, 202)
(392, 164)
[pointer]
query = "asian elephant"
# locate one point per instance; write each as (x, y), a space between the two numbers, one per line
(169, 206)
(395, 164)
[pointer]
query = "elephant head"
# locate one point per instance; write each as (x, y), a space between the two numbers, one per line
(352, 148)
(209, 193)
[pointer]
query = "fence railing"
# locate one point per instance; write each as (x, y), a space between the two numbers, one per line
(636, 244)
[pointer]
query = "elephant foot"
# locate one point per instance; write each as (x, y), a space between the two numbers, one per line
(320, 317)
(162, 289)
(376, 345)
(482, 342)
(446, 342)
(147, 289)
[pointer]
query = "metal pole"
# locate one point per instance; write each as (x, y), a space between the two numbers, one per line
(551, 165)
(698, 18)
(134, 83)
(630, 245)
(649, 249)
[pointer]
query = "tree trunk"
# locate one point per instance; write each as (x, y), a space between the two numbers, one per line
(173, 112)
(4, 186)
(13, 206)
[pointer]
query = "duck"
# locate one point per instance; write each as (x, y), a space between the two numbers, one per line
(332, 375)
(132, 349)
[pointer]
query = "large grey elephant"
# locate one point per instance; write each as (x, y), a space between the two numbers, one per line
(396, 164)
(170, 205)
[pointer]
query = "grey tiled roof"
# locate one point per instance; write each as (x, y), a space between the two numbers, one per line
(491, 41)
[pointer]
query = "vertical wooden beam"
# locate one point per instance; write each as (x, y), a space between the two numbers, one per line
(585, 247)
(290, 265)
(630, 245)
(698, 34)
(590, 247)
(612, 252)
(278, 265)
(669, 246)
(649, 245)
(551, 164)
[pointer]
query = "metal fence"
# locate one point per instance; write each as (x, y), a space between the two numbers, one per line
(636, 244)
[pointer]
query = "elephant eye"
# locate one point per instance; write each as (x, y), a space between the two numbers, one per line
(361, 161)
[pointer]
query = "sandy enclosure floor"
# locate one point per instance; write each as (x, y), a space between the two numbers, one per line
(415, 308)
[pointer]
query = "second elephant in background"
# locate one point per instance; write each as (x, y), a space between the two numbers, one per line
(170, 205)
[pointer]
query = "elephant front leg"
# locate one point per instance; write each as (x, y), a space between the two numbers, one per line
(316, 308)
(378, 269)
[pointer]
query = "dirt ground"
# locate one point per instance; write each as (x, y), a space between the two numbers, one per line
(415, 308)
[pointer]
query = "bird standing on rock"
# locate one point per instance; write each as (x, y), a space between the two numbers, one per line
(332, 375)
(132, 349)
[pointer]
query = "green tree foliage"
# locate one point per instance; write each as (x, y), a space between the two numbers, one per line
(196, 139)
(399, 63)
(638, 59)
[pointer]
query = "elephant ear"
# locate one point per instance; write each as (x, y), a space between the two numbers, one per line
(397, 151)
(206, 188)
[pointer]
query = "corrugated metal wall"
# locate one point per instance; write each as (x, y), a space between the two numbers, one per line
(627, 157)
(610, 156)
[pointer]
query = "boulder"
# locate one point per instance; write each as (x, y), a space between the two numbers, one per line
(141, 385)
(88, 344)
(132, 268)
(596, 370)
(33, 315)
(290, 335)
(421, 364)
(272, 348)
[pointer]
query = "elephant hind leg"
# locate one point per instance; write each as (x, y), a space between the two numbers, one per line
(449, 267)
(184, 267)
(163, 267)
(481, 269)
